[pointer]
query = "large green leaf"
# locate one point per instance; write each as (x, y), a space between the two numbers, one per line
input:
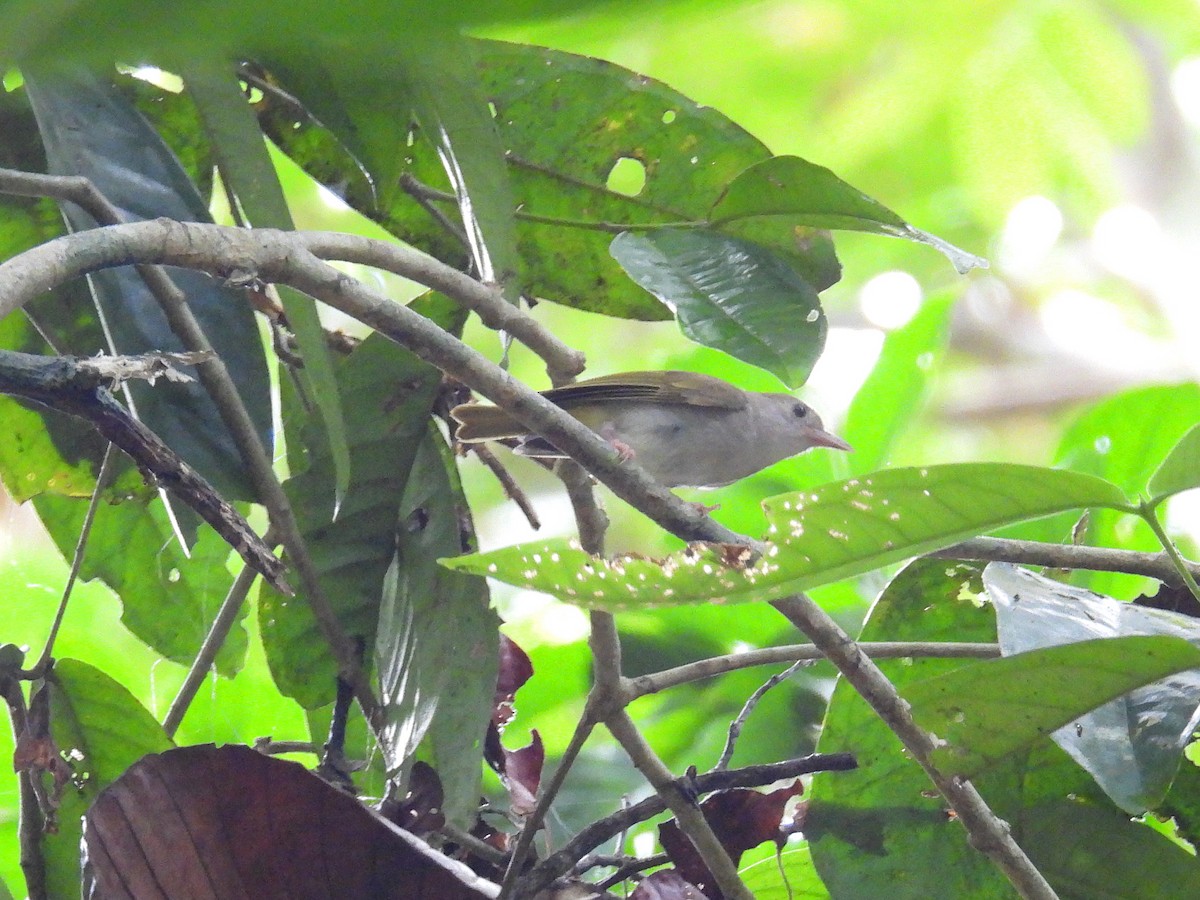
(882, 831)
(1122, 438)
(437, 683)
(731, 295)
(389, 393)
(1180, 471)
(991, 709)
(832, 532)
(1132, 745)
(249, 173)
(99, 723)
(560, 170)
(91, 129)
(808, 194)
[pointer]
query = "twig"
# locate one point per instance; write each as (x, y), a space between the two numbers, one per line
(987, 833)
(735, 727)
(1069, 556)
(424, 198)
(1149, 513)
(654, 682)
(269, 747)
(103, 478)
(213, 642)
(71, 386)
(606, 829)
(512, 490)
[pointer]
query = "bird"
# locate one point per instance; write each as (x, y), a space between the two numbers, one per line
(684, 428)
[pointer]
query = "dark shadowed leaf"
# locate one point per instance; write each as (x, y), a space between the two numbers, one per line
(230, 822)
(250, 174)
(731, 295)
(808, 194)
(515, 669)
(436, 645)
(91, 129)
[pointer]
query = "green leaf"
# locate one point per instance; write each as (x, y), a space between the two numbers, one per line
(991, 709)
(437, 683)
(1132, 745)
(1180, 471)
(389, 393)
(889, 400)
(731, 295)
(248, 171)
(808, 194)
(882, 831)
(91, 129)
(791, 877)
(1121, 439)
(454, 116)
(100, 720)
(832, 532)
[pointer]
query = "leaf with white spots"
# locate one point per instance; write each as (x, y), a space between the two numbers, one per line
(835, 531)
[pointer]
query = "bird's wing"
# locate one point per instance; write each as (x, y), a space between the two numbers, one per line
(686, 388)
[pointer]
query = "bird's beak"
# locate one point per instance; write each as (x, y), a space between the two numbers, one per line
(822, 438)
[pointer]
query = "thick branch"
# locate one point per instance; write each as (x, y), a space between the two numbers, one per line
(282, 257)
(988, 834)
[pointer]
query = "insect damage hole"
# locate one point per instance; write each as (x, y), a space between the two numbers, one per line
(627, 176)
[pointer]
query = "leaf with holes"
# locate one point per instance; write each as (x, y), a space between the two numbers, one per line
(731, 295)
(832, 532)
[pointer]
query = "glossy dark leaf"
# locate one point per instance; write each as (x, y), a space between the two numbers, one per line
(436, 646)
(731, 295)
(90, 129)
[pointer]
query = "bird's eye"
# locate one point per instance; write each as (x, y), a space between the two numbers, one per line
(799, 411)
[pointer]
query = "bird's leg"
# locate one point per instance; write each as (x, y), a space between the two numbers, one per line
(624, 451)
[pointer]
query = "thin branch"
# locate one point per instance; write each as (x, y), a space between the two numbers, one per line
(74, 387)
(1068, 556)
(512, 490)
(604, 830)
(1149, 513)
(103, 478)
(654, 682)
(986, 832)
(739, 722)
(213, 642)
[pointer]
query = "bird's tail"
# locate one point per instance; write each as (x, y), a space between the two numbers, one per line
(481, 422)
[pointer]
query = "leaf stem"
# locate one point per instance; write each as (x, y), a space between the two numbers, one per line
(1148, 510)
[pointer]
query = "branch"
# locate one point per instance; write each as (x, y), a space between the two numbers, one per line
(75, 387)
(609, 827)
(1068, 556)
(986, 832)
(282, 257)
(719, 665)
